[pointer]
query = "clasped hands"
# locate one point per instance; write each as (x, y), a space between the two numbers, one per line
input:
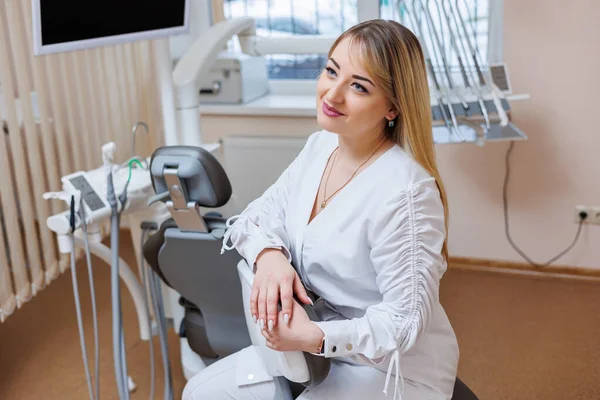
(289, 329)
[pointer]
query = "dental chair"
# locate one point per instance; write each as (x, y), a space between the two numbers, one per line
(215, 288)
(185, 253)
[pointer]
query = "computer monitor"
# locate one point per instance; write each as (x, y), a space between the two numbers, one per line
(66, 25)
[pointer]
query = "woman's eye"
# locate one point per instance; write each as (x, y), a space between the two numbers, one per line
(330, 71)
(359, 87)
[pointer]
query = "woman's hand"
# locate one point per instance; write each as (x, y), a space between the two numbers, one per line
(301, 334)
(275, 279)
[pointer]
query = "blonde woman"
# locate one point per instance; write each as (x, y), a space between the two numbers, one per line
(359, 218)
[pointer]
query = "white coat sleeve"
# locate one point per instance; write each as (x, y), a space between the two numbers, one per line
(406, 244)
(262, 223)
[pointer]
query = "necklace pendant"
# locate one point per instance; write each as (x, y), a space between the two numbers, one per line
(323, 204)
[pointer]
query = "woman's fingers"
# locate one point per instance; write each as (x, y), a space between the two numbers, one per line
(270, 340)
(286, 299)
(272, 345)
(272, 305)
(262, 306)
(300, 291)
(254, 301)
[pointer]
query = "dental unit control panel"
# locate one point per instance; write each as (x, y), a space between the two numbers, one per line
(92, 187)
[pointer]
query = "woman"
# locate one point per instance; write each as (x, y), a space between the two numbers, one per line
(361, 214)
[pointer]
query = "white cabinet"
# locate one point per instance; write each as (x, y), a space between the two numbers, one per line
(253, 164)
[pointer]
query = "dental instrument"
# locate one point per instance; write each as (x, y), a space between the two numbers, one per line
(447, 93)
(146, 228)
(119, 359)
(485, 116)
(486, 82)
(453, 127)
(438, 96)
(78, 307)
(77, 219)
(88, 260)
(92, 198)
(476, 88)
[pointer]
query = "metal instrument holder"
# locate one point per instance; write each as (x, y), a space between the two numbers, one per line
(185, 213)
(478, 111)
(473, 124)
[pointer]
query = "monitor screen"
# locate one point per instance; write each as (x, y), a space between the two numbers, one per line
(67, 25)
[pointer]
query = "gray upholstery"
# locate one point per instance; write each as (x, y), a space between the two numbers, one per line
(462, 391)
(191, 263)
(206, 180)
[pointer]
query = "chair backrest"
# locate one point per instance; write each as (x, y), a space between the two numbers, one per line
(191, 263)
(296, 366)
(185, 252)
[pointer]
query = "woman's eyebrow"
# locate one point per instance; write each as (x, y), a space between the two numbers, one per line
(362, 78)
(335, 63)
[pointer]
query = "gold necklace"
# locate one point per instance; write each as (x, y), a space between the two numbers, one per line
(324, 202)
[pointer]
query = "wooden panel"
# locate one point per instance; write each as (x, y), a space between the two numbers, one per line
(513, 267)
(11, 147)
(115, 108)
(69, 103)
(33, 156)
(84, 100)
(63, 145)
(100, 90)
(218, 11)
(86, 128)
(95, 124)
(151, 97)
(51, 166)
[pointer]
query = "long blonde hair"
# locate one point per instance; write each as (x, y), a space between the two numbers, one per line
(393, 57)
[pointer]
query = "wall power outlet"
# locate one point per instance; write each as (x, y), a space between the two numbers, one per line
(593, 214)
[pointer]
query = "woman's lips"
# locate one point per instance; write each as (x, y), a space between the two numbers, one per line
(330, 111)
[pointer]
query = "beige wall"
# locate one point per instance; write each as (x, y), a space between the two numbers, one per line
(553, 53)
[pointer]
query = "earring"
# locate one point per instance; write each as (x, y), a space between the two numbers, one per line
(391, 123)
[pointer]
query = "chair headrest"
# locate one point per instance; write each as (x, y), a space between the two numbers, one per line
(203, 178)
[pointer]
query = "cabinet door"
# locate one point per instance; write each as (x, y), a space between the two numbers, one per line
(254, 163)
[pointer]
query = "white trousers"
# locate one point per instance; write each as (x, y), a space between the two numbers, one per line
(345, 381)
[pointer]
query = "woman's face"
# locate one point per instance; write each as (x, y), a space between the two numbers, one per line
(348, 101)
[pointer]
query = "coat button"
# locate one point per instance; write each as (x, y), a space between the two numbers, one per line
(348, 347)
(250, 377)
(333, 349)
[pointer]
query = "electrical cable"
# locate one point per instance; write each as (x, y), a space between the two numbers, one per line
(117, 333)
(126, 163)
(130, 165)
(145, 283)
(78, 302)
(164, 340)
(506, 224)
(115, 222)
(88, 259)
(162, 331)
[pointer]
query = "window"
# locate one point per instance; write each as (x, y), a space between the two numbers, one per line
(284, 18)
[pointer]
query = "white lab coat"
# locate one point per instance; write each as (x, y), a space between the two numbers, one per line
(374, 256)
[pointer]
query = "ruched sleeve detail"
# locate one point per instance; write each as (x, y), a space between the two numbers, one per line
(406, 238)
